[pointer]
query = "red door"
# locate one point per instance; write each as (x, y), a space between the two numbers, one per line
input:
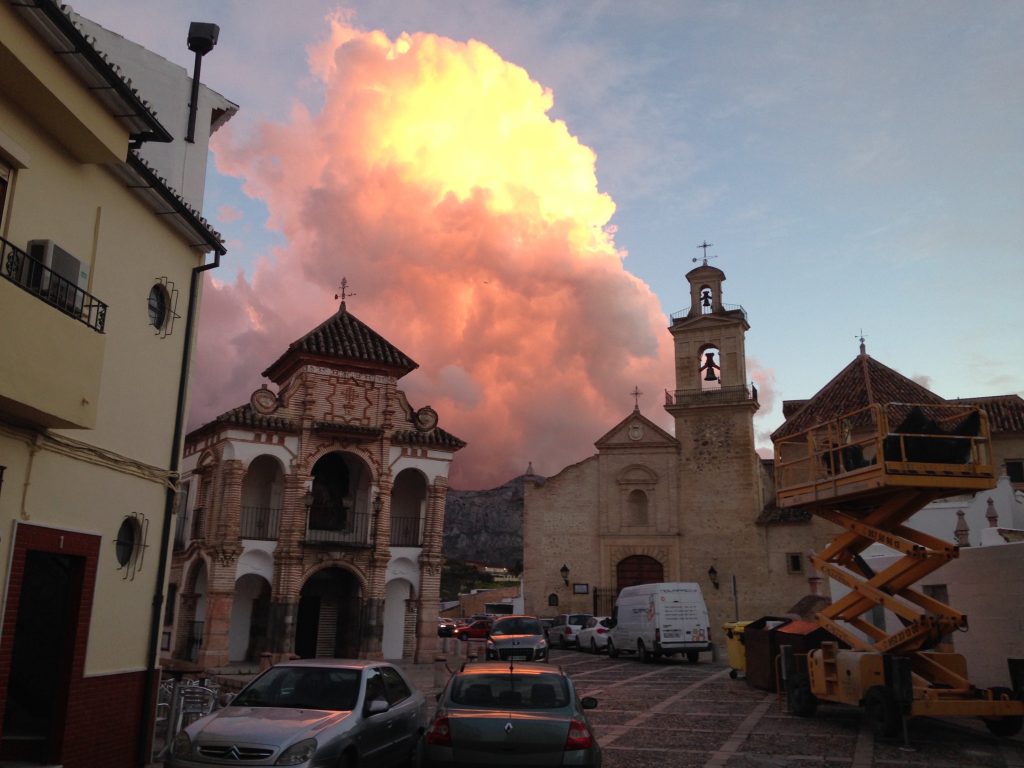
(638, 569)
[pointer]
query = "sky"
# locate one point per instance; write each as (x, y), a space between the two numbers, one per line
(515, 191)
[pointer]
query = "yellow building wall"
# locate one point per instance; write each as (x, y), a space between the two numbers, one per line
(89, 480)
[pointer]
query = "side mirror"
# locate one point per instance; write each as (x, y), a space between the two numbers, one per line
(588, 702)
(376, 706)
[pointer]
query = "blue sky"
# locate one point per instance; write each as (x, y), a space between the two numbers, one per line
(856, 165)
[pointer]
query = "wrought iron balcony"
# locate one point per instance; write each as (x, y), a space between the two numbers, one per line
(700, 310)
(405, 531)
(41, 281)
(342, 527)
(713, 396)
(260, 523)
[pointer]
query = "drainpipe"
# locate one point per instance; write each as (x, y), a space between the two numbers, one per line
(145, 744)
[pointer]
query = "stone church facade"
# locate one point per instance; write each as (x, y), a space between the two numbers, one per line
(696, 505)
(310, 519)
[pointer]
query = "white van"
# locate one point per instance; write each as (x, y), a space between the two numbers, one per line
(653, 620)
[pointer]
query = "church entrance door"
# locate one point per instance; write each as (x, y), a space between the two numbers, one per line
(638, 569)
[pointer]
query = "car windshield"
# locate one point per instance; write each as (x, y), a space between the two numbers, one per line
(517, 627)
(510, 691)
(302, 688)
(578, 618)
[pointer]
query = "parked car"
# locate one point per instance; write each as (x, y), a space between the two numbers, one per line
(518, 638)
(563, 632)
(445, 627)
(594, 635)
(477, 630)
(546, 623)
(337, 712)
(527, 714)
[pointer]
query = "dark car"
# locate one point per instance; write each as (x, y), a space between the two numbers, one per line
(517, 638)
(493, 714)
(311, 712)
(477, 630)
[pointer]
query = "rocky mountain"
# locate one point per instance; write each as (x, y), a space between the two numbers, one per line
(486, 526)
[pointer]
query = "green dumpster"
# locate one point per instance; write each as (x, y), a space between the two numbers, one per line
(734, 646)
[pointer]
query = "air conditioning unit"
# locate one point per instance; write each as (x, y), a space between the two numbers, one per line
(62, 264)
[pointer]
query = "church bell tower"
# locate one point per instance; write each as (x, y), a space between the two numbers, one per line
(713, 406)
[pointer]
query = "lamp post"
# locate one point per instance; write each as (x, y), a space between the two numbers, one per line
(564, 571)
(713, 576)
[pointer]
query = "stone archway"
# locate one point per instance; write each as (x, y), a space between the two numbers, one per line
(330, 615)
(396, 600)
(638, 569)
(250, 616)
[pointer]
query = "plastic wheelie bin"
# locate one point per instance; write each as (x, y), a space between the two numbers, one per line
(734, 646)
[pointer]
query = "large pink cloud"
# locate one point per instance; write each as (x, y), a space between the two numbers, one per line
(471, 227)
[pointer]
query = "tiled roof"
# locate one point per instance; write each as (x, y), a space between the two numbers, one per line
(245, 416)
(57, 26)
(862, 382)
(346, 338)
(1005, 412)
(436, 437)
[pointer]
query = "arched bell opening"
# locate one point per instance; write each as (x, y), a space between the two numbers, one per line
(710, 368)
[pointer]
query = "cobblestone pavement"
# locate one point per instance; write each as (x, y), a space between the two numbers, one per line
(673, 714)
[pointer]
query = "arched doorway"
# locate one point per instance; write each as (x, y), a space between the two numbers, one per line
(250, 615)
(396, 596)
(638, 569)
(330, 615)
(192, 615)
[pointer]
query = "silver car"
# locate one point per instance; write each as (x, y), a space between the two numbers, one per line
(517, 638)
(312, 713)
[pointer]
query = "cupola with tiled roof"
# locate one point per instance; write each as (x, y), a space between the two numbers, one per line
(863, 382)
(342, 340)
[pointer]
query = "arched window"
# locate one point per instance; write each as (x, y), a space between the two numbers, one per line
(553, 599)
(710, 369)
(636, 508)
(706, 300)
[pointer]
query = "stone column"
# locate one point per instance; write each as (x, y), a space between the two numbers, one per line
(373, 635)
(229, 515)
(287, 581)
(214, 651)
(431, 561)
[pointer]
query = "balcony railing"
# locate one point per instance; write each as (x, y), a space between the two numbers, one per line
(352, 528)
(716, 395)
(38, 279)
(701, 310)
(405, 531)
(260, 523)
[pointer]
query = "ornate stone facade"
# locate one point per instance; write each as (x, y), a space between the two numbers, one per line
(696, 505)
(311, 518)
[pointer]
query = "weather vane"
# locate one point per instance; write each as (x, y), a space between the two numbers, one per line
(705, 245)
(861, 337)
(344, 291)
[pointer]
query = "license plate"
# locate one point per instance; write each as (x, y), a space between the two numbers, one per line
(518, 657)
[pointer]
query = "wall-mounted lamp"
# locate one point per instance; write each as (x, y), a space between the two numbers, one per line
(564, 570)
(307, 498)
(377, 504)
(713, 576)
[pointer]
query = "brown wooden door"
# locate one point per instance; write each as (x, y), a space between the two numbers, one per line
(638, 569)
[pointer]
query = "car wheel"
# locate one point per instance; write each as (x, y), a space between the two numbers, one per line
(642, 652)
(693, 656)
(613, 652)
(561, 642)
(593, 646)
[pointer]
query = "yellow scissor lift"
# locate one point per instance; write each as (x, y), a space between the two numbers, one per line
(869, 471)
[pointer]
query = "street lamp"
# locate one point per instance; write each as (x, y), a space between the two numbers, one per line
(564, 570)
(713, 576)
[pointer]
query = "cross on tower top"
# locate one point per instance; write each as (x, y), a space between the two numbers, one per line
(636, 397)
(860, 336)
(705, 245)
(343, 287)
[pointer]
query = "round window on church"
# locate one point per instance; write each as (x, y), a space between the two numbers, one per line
(127, 540)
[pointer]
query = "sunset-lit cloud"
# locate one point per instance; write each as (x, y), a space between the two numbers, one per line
(470, 225)
(227, 214)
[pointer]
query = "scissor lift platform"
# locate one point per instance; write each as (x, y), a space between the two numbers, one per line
(868, 471)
